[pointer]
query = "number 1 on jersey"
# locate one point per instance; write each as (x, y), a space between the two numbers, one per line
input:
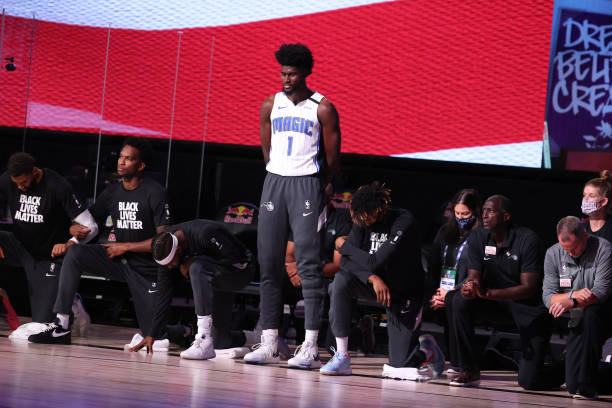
(289, 145)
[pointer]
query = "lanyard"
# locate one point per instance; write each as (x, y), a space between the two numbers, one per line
(458, 252)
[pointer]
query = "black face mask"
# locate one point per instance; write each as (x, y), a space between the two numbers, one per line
(465, 222)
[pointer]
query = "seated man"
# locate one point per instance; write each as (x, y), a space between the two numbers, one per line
(42, 205)
(138, 208)
(578, 279)
(214, 260)
(504, 272)
(381, 260)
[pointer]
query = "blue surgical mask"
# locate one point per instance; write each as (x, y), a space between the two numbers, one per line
(589, 207)
(465, 222)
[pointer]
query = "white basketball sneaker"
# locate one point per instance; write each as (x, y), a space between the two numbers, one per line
(264, 352)
(423, 373)
(158, 345)
(306, 356)
(202, 348)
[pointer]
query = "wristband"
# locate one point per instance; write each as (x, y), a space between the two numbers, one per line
(569, 295)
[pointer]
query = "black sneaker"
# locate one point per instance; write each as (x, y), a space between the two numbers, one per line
(53, 334)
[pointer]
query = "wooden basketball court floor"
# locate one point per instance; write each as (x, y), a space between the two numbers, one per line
(95, 371)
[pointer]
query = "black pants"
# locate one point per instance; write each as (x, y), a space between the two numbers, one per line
(583, 349)
(449, 333)
(212, 283)
(93, 260)
(403, 317)
(42, 276)
(290, 203)
(533, 322)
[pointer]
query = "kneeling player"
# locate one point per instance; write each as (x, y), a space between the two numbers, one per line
(214, 260)
(381, 260)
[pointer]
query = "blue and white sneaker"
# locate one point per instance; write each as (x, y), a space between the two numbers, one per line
(340, 364)
(306, 356)
(436, 359)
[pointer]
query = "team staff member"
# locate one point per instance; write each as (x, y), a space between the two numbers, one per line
(138, 208)
(381, 260)
(42, 204)
(300, 141)
(504, 276)
(578, 279)
(596, 205)
(214, 260)
(448, 261)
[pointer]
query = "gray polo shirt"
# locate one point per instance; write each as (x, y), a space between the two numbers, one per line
(592, 270)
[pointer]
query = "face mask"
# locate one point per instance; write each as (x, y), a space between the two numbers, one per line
(589, 207)
(465, 222)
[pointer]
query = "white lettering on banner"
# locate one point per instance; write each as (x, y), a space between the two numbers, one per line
(28, 209)
(584, 76)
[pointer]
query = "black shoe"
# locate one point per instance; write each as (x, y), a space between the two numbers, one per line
(53, 334)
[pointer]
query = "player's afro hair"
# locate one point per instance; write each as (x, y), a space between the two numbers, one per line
(295, 55)
(370, 200)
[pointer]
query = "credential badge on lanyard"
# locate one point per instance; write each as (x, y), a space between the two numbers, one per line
(449, 275)
(565, 281)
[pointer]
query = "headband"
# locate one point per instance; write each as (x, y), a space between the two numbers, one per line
(170, 256)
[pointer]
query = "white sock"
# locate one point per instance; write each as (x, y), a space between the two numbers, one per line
(64, 320)
(204, 326)
(311, 336)
(342, 344)
(271, 334)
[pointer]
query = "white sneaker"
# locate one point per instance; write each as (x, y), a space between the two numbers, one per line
(306, 356)
(82, 321)
(201, 349)
(424, 373)
(238, 352)
(158, 345)
(264, 352)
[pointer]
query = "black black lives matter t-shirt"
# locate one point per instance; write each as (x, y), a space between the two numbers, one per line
(135, 215)
(42, 215)
(390, 249)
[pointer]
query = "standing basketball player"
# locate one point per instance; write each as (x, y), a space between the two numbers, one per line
(300, 141)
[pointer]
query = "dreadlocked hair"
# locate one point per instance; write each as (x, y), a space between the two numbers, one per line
(161, 245)
(370, 200)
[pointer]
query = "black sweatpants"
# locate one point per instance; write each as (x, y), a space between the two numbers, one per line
(93, 260)
(403, 317)
(583, 349)
(533, 322)
(42, 276)
(212, 283)
(296, 204)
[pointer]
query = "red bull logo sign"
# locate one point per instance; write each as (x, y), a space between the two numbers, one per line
(342, 200)
(239, 214)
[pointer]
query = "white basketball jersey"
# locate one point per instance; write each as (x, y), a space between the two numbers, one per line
(295, 137)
